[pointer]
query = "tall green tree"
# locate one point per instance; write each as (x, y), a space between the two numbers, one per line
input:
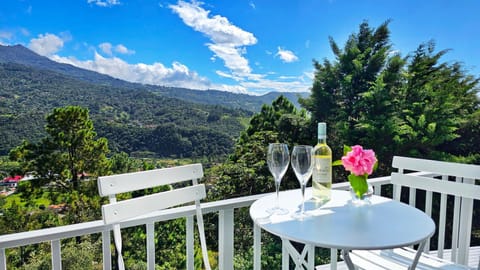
(415, 106)
(360, 83)
(69, 150)
(439, 103)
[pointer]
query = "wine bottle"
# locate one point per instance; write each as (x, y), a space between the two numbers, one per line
(322, 167)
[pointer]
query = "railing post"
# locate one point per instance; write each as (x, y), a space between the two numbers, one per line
(56, 255)
(151, 246)
(257, 248)
(107, 252)
(225, 239)
(3, 260)
(189, 240)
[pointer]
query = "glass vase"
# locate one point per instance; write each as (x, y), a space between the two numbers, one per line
(362, 200)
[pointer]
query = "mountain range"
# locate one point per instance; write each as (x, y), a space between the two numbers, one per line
(135, 118)
(21, 55)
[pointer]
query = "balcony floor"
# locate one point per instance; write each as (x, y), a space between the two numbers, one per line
(474, 257)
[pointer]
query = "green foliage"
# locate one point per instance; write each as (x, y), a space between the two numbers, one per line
(131, 117)
(8, 167)
(438, 102)
(358, 183)
(84, 255)
(245, 172)
(69, 149)
(414, 106)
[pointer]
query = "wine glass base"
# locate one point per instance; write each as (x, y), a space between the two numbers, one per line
(300, 216)
(277, 211)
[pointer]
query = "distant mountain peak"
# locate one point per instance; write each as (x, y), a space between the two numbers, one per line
(19, 54)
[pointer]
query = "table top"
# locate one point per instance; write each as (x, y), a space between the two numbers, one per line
(383, 224)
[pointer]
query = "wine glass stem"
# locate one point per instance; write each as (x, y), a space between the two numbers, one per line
(277, 190)
(303, 198)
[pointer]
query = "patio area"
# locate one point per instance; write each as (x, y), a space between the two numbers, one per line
(224, 208)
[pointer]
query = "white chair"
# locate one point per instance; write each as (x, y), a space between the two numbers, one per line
(117, 211)
(451, 180)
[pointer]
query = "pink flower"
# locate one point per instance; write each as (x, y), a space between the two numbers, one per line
(359, 161)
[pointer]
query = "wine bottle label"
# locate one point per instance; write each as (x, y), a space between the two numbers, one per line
(322, 171)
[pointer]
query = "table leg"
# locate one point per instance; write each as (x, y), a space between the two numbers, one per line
(418, 254)
(346, 258)
(311, 256)
(285, 254)
(302, 260)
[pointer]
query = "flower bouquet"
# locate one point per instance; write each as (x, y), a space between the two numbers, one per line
(360, 163)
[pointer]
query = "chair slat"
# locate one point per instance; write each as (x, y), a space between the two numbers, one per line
(116, 212)
(435, 185)
(121, 183)
(440, 167)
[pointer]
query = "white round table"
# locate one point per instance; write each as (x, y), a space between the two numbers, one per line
(339, 224)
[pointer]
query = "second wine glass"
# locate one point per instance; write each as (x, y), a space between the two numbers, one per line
(302, 166)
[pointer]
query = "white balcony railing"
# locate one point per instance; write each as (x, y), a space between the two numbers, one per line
(224, 208)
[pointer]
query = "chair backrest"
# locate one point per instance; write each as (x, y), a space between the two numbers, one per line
(449, 179)
(118, 211)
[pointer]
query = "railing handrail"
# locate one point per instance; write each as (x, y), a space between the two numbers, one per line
(98, 226)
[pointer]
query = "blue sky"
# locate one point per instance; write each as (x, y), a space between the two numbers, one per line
(247, 46)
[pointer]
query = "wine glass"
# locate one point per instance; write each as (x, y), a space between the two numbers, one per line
(302, 166)
(277, 160)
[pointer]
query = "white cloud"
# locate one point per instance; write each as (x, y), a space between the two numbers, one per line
(178, 75)
(104, 3)
(231, 88)
(286, 55)
(46, 45)
(283, 77)
(228, 75)
(232, 57)
(252, 5)
(6, 35)
(310, 75)
(106, 47)
(24, 31)
(228, 40)
(262, 86)
(392, 53)
(307, 43)
(120, 48)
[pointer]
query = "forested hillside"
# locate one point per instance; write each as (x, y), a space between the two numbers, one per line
(133, 120)
(21, 55)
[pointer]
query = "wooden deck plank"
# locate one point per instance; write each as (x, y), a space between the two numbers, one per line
(473, 258)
